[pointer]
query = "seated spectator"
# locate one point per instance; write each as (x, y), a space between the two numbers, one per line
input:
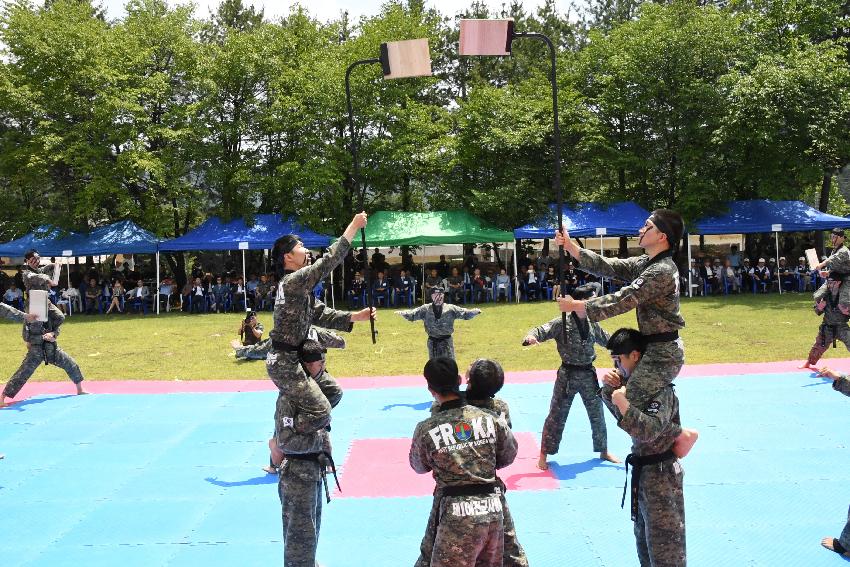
(433, 281)
(355, 294)
(455, 291)
(708, 277)
(730, 278)
(138, 297)
(14, 297)
(530, 283)
(746, 278)
(479, 286)
(262, 293)
(115, 294)
(197, 297)
(761, 276)
(550, 280)
(251, 289)
(403, 287)
(696, 278)
(219, 296)
(503, 285)
(804, 277)
(166, 288)
(92, 292)
(238, 294)
(381, 289)
(787, 279)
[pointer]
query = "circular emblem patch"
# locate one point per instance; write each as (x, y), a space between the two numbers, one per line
(463, 431)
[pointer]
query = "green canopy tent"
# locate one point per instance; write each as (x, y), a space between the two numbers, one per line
(401, 228)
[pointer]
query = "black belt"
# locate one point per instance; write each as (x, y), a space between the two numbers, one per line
(440, 337)
(315, 458)
(577, 366)
(661, 337)
(469, 490)
(285, 347)
(834, 329)
(638, 462)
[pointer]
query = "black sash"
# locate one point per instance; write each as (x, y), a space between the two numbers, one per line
(469, 490)
(661, 337)
(637, 463)
(315, 458)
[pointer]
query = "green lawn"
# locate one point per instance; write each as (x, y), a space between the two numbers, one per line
(195, 347)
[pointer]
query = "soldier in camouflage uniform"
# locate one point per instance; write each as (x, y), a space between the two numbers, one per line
(834, 326)
(40, 338)
(838, 265)
(841, 544)
(657, 498)
(463, 446)
(653, 292)
(439, 319)
(303, 411)
(38, 277)
(484, 379)
(575, 376)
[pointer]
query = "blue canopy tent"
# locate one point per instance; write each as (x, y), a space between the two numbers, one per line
(123, 236)
(214, 234)
(762, 215)
(44, 239)
(589, 219)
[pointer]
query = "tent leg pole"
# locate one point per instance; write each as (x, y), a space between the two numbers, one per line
(156, 283)
(690, 281)
(602, 253)
(516, 276)
(778, 278)
(244, 282)
(423, 275)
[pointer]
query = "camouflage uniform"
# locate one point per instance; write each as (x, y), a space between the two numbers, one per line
(658, 502)
(576, 375)
(833, 328)
(838, 263)
(654, 293)
(843, 385)
(463, 446)
(303, 411)
(513, 554)
(39, 350)
(440, 325)
(39, 279)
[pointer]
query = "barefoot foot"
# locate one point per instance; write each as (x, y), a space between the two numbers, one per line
(541, 462)
(806, 365)
(236, 344)
(832, 544)
(685, 442)
(80, 391)
(606, 456)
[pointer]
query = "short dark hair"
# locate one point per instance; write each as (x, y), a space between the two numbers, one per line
(442, 376)
(585, 291)
(30, 254)
(486, 377)
(670, 223)
(283, 245)
(626, 341)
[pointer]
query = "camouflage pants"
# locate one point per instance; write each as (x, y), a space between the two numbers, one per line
(513, 554)
(438, 348)
(572, 381)
(300, 491)
(826, 335)
(35, 356)
(467, 540)
(844, 539)
(660, 524)
(256, 351)
(657, 369)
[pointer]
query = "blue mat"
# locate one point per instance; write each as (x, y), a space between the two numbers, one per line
(126, 480)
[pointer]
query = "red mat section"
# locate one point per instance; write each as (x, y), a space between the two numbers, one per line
(383, 470)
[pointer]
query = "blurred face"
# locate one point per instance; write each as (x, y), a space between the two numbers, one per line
(477, 272)
(92, 282)
(403, 273)
(454, 272)
(626, 363)
(437, 298)
(139, 283)
(34, 260)
(298, 257)
(197, 281)
(218, 280)
(433, 273)
(836, 240)
(263, 278)
(649, 235)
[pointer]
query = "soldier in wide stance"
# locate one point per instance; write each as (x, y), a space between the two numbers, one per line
(439, 319)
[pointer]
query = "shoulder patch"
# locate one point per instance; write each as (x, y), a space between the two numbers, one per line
(637, 283)
(653, 407)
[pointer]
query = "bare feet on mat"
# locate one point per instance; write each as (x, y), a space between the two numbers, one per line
(270, 469)
(541, 462)
(807, 365)
(832, 544)
(80, 391)
(606, 456)
(683, 444)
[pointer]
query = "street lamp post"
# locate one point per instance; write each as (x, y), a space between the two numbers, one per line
(494, 38)
(398, 59)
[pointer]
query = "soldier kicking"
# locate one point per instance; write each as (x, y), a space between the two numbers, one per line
(40, 338)
(303, 412)
(575, 376)
(439, 319)
(463, 446)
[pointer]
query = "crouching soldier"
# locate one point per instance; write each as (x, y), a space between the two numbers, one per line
(40, 338)
(463, 446)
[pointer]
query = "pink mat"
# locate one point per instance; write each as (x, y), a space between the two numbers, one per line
(365, 383)
(383, 470)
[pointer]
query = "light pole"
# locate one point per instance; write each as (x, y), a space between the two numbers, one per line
(494, 38)
(398, 59)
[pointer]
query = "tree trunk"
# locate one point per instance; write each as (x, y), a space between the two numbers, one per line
(823, 205)
(624, 247)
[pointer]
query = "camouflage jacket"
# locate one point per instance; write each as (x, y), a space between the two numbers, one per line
(295, 306)
(832, 315)
(445, 325)
(842, 385)
(38, 278)
(651, 427)
(32, 332)
(9, 312)
(577, 349)
(839, 260)
(461, 445)
(496, 406)
(653, 291)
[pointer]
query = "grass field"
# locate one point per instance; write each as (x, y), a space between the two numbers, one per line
(177, 346)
